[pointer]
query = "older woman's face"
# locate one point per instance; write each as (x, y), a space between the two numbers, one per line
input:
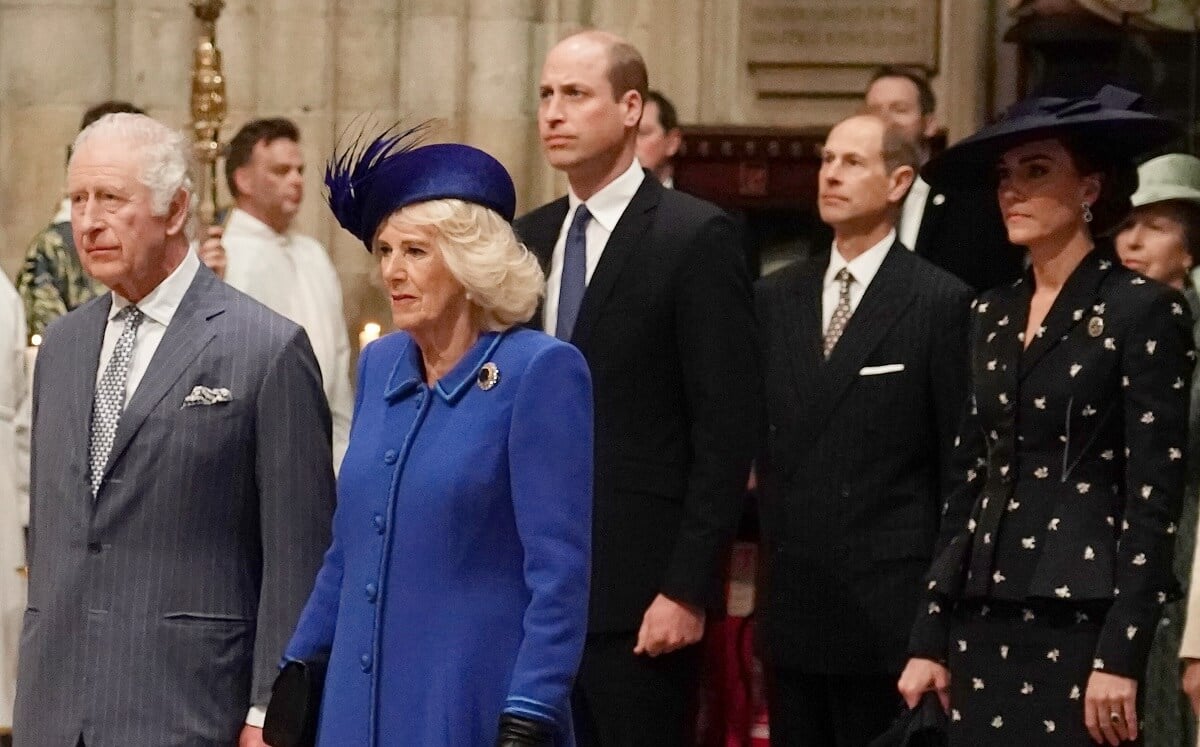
(424, 294)
(1152, 241)
(1041, 193)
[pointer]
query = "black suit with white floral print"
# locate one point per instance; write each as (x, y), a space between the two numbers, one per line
(1070, 465)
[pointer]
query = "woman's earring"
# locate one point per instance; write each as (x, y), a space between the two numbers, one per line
(1087, 212)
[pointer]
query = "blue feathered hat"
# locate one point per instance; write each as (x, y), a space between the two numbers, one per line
(368, 182)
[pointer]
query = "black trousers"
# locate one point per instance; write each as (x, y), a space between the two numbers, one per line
(627, 700)
(826, 710)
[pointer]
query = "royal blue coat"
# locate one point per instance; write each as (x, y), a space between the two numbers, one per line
(456, 586)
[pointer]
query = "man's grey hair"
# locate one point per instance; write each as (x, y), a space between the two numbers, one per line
(166, 157)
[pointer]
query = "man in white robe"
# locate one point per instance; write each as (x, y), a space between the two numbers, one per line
(14, 488)
(284, 270)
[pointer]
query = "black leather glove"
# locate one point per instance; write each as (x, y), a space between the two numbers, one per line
(522, 731)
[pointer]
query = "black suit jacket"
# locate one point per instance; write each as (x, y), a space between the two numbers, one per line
(1071, 461)
(855, 451)
(962, 232)
(667, 329)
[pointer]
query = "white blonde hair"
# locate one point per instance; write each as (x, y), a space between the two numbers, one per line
(501, 276)
(165, 154)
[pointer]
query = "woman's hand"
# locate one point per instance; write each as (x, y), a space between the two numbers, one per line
(1191, 683)
(919, 677)
(1110, 708)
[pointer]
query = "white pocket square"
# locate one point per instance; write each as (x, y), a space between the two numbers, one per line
(884, 369)
(202, 395)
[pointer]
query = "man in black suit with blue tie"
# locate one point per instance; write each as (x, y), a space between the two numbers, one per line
(649, 284)
(864, 357)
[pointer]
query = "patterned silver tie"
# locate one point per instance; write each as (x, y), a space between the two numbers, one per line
(841, 312)
(110, 397)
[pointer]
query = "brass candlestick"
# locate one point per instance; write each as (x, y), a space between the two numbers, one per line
(208, 104)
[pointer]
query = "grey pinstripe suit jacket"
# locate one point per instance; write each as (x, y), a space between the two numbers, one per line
(158, 612)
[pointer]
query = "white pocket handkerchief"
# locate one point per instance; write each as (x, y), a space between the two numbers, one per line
(884, 369)
(202, 395)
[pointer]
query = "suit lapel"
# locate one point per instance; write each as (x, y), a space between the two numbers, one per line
(627, 235)
(889, 293)
(186, 335)
(81, 380)
(1076, 302)
(931, 220)
(540, 236)
(800, 321)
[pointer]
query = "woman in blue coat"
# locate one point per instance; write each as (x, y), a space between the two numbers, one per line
(452, 603)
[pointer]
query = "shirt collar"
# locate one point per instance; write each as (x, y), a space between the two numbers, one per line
(607, 205)
(864, 266)
(919, 190)
(240, 220)
(161, 303)
(408, 374)
(64, 212)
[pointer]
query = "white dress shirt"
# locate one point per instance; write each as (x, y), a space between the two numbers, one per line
(291, 274)
(863, 267)
(912, 211)
(159, 307)
(606, 207)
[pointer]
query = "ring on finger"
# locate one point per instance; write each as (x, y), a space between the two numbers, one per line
(1115, 717)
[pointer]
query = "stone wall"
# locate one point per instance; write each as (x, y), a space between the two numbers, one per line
(473, 64)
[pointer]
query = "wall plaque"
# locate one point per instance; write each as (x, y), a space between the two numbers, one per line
(836, 33)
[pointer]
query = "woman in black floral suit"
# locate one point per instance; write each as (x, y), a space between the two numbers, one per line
(1056, 543)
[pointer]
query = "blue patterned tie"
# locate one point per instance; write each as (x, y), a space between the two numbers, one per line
(574, 274)
(110, 397)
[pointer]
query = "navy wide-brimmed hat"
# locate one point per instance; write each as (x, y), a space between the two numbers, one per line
(367, 183)
(1110, 123)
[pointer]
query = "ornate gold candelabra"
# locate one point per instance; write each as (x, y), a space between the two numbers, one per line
(208, 104)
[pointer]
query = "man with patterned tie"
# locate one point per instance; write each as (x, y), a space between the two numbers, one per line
(181, 483)
(649, 284)
(864, 356)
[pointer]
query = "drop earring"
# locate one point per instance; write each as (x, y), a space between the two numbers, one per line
(1087, 212)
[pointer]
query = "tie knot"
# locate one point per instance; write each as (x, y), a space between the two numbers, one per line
(844, 276)
(582, 216)
(131, 314)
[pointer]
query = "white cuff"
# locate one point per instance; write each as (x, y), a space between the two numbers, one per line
(256, 716)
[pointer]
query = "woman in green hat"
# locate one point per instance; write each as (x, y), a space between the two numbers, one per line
(1161, 240)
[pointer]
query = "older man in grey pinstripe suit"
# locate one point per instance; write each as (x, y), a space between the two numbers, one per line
(181, 484)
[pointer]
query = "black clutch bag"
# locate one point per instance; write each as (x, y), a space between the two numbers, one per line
(923, 726)
(295, 705)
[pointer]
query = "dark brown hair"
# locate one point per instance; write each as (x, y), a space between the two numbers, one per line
(1118, 182)
(626, 70)
(924, 91)
(667, 118)
(241, 147)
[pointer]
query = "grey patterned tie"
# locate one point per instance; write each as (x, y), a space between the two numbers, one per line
(841, 312)
(110, 397)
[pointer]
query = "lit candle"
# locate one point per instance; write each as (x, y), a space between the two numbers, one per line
(370, 331)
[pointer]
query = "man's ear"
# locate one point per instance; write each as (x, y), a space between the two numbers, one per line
(241, 178)
(900, 180)
(932, 125)
(632, 101)
(177, 212)
(674, 140)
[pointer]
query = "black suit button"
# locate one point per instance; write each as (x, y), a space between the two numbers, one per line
(95, 548)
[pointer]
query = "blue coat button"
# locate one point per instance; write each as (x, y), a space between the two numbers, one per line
(371, 590)
(365, 661)
(377, 520)
(390, 456)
